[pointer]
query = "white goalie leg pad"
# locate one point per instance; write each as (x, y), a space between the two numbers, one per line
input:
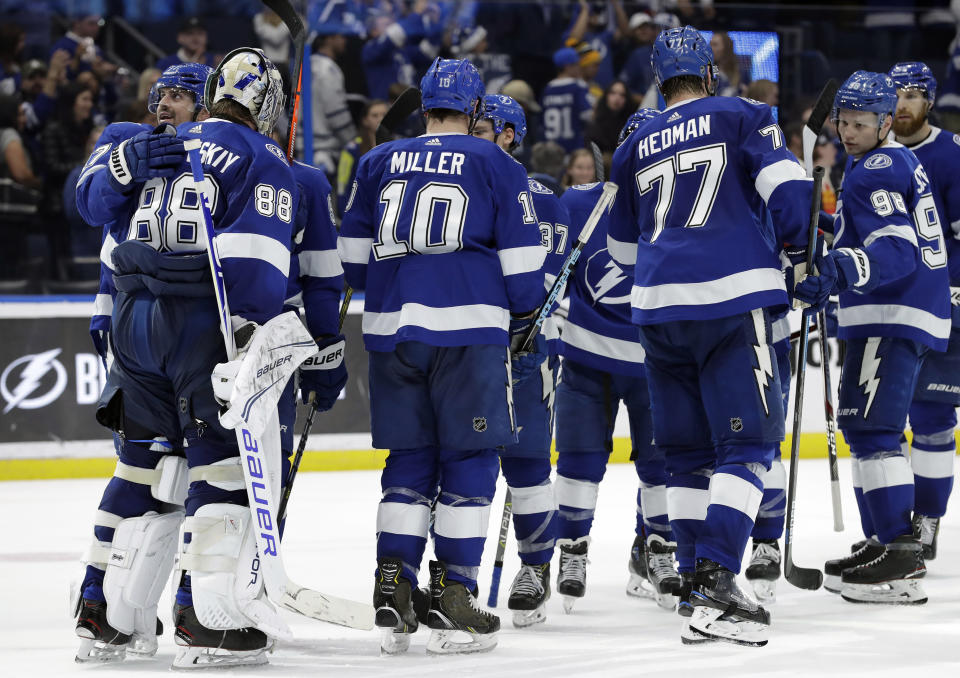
(140, 563)
(225, 571)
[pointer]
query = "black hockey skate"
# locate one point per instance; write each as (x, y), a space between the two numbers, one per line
(721, 611)
(200, 647)
(764, 569)
(832, 569)
(529, 594)
(100, 642)
(662, 571)
(927, 529)
(572, 578)
(454, 611)
(684, 606)
(892, 578)
(638, 585)
(397, 615)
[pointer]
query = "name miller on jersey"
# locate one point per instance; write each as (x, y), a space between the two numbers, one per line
(410, 161)
(665, 138)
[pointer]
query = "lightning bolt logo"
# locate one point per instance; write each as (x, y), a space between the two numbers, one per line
(868, 372)
(613, 277)
(764, 370)
(37, 366)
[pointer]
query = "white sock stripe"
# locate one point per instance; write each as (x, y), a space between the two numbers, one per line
(891, 471)
(776, 477)
(932, 464)
(461, 522)
(537, 499)
(687, 503)
(855, 472)
(653, 500)
(397, 518)
(939, 438)
(734, 492)
(580, 494)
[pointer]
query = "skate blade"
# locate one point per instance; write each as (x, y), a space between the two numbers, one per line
(569, 602)
(212, 657)
(689, 636)
(445, 642)
(639, 587)
(666, 601)
(525, 618)
(832, 583)
(707, 622)
(94, 651)
(764, 590)
(898, 592)
(392, 642)
(142, 646)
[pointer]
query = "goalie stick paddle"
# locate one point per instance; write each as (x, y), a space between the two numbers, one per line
(406, 105)
(801, 577)
(501, 549)
(291, 19)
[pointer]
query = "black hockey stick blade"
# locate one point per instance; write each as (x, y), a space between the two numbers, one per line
(291, 19)
(406, 105)
(597, 161)
(814, 124)
(298, 33)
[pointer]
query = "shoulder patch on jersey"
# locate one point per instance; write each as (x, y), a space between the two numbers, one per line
(537, 187)
(878, 161)
(276, 151)
(584, 187)
(956, 139)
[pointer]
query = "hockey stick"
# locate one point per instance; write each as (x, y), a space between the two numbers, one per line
(501, 549)
(811, 132)
(291, 19)
(801, 577)
(597, 161)
(406, 105)
(603, 204)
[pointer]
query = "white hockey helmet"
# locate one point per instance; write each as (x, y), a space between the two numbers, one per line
(249, 78)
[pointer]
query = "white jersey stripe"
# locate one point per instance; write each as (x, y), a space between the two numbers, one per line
(598, 344)
(106, 250)
(709, 291)
(443, 319)
(354, 250)
(516, 260)
(622, 252)
(780, 172)
(254, 246)
(893, 314)
(892, 231)
(320, 263)
(103, 305)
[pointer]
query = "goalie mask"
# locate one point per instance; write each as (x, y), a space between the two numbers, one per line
(249, 78)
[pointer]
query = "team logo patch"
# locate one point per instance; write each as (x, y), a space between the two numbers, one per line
(537, 187)
(479, 424)
(878, 161)
(956, 139)
(276, 151)
(736, 424)
(585, 187)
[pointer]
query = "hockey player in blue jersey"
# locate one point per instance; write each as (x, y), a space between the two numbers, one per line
(438, 236)
(603, 365)
(567, 102)
(933, 415)
(690, 230)
(889, 266)
(526, 465)
(166, 342)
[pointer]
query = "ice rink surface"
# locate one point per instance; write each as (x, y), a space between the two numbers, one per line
(330, 547)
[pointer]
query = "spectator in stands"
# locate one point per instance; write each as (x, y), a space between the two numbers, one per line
(15, 162)
(566, 102)
(764, 90)
(12, 41)
(733, 80)
(274, 38)
(610, 115)
(589, 65)
(79, 43)
(695, 12)
(637, 72)
(136, 111)
(495, 68)
(84, 240)
(373, 113)
(580, 169)
(522, 93)
(333, 127)
(192, 38)
(65, 139)
(546, 164)
(385, 59)
(592, 26)
(148, 78)
(794, 135)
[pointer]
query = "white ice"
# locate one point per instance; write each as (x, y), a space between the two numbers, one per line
(330, 546)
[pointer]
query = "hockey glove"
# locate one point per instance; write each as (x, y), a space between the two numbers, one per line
(323, 375)
(525, 363)
(145, 156)
(840, 271)
(794, 262)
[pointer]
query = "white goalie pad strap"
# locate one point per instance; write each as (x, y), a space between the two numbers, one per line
(275, 352)
(409, 519)
(106, 519)
(536, 499)
(461, 522)
(580, 494)
(168, 480)
(225, 474)
(97, 554)
(140, 564)
(687, 503)
(228, 597)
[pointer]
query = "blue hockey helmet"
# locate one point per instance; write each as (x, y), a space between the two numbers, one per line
(190, 77)
(681, 51)
(633, 122)
(502, 110)
(915, 75)
(866, 91)
(454, 84)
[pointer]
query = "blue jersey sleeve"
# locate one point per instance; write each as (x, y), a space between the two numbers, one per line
(518, 241)
(99, 197)
(623, 233)
(356, 230)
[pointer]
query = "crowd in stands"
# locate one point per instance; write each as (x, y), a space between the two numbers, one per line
(578, 68)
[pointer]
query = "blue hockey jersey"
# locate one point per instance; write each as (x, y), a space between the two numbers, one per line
(598, 331)
(437, 233)
(555, 236)
(567, 109)
(316, 276)
(887, 211)
(689, 221)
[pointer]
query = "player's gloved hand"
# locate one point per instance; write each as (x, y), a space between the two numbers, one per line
(224, 374)
(324, 374)
(147, 155)
(840, 270)
(525, 363)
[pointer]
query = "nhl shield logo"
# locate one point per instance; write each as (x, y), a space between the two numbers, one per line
(736, 424)
(479, 424)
